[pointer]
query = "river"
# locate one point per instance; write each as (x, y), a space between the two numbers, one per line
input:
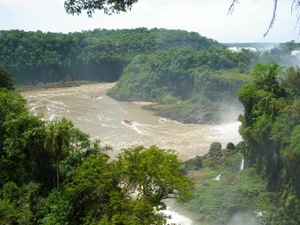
(100, 116)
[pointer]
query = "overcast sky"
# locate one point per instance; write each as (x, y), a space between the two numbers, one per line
(209, 18)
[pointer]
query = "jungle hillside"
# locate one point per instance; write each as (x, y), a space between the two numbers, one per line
(193, 79)
(52, 173)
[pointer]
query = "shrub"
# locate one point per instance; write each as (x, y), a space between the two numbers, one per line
(168, 99)
(230, 146)
(215, 147)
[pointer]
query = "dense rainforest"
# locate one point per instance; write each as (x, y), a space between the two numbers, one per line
(52, 173)
(98, 55)
(192, 78)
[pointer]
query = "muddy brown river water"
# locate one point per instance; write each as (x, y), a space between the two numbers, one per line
(102, 117)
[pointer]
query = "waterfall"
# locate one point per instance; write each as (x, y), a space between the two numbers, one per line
(242, 164)
(176, 216)
(217, 177)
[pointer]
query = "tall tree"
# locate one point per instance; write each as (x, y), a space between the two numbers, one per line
(58, 138)
(11, 103)
(24, 150)
(129, 189)
(6, 79)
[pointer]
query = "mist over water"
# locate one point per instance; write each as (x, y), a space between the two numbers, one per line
(176, 217)
(101, 116)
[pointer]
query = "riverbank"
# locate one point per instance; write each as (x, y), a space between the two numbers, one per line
(52, 85)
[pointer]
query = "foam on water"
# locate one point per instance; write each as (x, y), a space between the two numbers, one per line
(137, 130)
(176, 218)
(86, 119)
(52, 117)
(162, 120)
(111, 126)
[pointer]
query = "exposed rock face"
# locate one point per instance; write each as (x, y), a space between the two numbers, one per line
(215, 159)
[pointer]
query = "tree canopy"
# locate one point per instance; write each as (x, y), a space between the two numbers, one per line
(108, 6)
(129, 189)
(270, 130)
(98, 55)
(6, 79)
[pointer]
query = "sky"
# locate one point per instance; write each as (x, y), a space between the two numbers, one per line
(209, 18)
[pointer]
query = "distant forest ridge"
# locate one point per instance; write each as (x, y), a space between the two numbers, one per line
(98, 55)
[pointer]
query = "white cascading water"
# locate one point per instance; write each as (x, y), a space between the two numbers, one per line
(176, 218)
(242, 164)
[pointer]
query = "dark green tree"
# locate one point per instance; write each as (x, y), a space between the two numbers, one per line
(270, 129)
(57, 141)
(24, 150)
(129, 189)
(6, 79)
(11, 103)
(291, 81)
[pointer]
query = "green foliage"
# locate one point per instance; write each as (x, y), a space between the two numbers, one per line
(127, 189)
(57, 209)
(57, 139)
(98, 55)
(109, 6)
(215, 147)
(6, 79)
(20, 203)
(270, 129)
(90, 187)
(7, 212)
(11, 104)
(291, 81)
(235, 193)
(23, 150)
(230, 146)
(204, 91)
(169, 100)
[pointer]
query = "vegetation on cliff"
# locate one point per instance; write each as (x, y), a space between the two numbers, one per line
(266, 191)
(193, 86)
(190, 86)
